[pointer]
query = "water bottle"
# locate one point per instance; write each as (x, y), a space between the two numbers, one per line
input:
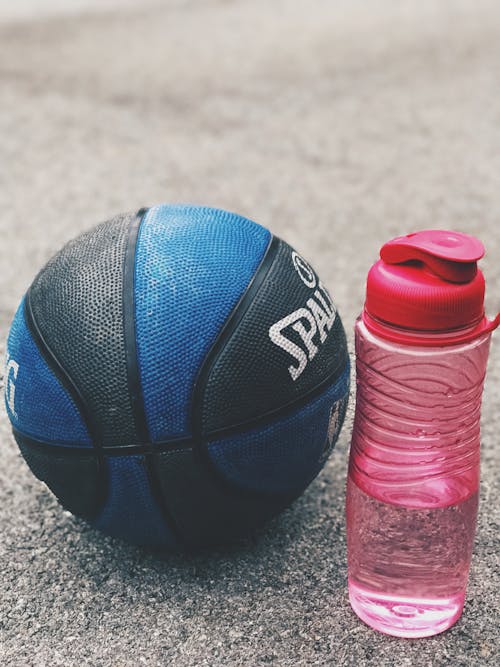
(422, 346)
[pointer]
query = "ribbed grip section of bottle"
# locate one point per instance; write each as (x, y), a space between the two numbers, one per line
(416, 429)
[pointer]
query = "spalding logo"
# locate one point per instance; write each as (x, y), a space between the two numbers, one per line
(304, 270)
(11, 371)
(312, 322)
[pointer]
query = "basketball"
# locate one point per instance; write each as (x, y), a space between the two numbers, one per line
(176, 376)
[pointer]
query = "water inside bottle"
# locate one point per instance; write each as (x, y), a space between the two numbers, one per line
(421, 556)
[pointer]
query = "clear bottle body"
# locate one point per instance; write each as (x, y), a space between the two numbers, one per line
(413, 483)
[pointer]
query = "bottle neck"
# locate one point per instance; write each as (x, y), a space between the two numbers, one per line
(429, 338)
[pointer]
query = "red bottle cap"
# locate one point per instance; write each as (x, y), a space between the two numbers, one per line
(427, 282)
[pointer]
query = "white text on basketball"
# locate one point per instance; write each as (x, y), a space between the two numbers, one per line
(312, 323)
(11, 371)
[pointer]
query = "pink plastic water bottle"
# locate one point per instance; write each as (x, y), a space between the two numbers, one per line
(422, 346)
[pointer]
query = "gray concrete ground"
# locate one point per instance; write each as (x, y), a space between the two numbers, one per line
(336, 124)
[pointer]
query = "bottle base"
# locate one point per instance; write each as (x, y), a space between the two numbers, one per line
(402, 616)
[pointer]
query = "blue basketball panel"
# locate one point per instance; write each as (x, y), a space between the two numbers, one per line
(284, 456)
(130, 512)
(192, 266)
(37, 404)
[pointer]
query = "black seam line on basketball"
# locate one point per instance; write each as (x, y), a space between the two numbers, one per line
(227, 331)
(121, 450)
(89, 454)
(237, 314)
(283, 410)
(129, 331)
(133, 373)
(58, 449)
(60, 372)
(180, 444)
(71, 387)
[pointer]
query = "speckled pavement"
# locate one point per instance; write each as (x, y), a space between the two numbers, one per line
(336, 124)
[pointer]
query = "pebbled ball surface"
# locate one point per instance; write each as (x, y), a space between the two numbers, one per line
(77, 302)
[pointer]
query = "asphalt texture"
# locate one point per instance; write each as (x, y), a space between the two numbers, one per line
(338, 125)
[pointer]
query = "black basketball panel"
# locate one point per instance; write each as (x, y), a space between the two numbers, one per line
(73, 477)
(288, 342)
(77, 303)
